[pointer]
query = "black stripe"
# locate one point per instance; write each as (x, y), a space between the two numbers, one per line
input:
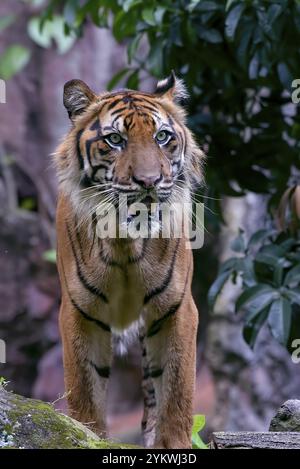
(156, 325)
(99, 323)
(79, 239)
(171, 123)
(88, 145)
(181, 177)
(120, 110)
(104, 152)
(152, 373)
(79, 155)
(150, 405)
(156, 373)
(144, 99)
(94, 290)
(103, 371)
(128, 122)
(114, 103)
(96, 125)
(86, 181)
(158, 290)
(150, 108)
(96, 168)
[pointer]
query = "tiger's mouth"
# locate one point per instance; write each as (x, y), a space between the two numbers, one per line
(147, 204)
(147, 200)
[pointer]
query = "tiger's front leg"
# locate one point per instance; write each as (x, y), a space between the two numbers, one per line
(171, 351)
(87, 360)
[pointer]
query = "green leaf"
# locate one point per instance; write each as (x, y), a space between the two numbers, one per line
(148, 16)
(253, 326)
(210, 35)
(13, 60)
(6, 21)
(217, 286)
(50, 256)
(207, 6)
(40, 37)
(53, 30)
(238, 244)
(242, 50)
(285, 75)
(293, 295)
(293, 276)
(279, 320)
(129, 4)
(155, 59)
(255, 298)
(233, 19)
(133, 81)
(69, 11)
(124, 25)
(133, 47)
(230, 264)
(258, 237)
(117, 78)
(228, 4)
(159, 14)
(198, 425)
(28, 203)
(278, 275)
(254, 67)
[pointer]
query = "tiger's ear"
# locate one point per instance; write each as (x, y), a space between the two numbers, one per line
(172, 88)
(77, 97)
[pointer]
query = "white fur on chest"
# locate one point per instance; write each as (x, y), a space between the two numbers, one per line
(125, 294)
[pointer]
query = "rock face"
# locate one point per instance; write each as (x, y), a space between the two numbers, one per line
(287, 418)
(32, 424)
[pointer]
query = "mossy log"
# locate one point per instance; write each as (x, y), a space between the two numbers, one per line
(255, 440)
(32, 424)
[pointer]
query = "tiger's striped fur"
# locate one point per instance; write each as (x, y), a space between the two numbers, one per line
(114, 287)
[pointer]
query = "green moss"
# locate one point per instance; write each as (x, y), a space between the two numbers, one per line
(36, 424)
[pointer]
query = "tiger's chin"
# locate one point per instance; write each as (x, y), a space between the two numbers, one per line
(143, 219)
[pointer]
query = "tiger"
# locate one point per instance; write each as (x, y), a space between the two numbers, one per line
(134, 144)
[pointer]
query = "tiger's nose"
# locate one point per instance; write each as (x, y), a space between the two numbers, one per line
(147, 182)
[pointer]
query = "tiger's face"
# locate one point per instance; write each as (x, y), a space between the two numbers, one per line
(131, 144)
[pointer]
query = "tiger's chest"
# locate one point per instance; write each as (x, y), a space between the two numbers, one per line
(126, 292)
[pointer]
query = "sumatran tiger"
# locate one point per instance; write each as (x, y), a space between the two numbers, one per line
(137, 144)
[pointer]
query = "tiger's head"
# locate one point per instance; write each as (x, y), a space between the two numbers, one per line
(127, 143)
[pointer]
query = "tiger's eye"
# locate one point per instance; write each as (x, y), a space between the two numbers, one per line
(163, 136)
(114, 139)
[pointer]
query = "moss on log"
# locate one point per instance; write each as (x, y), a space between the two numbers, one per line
(255, 440)
(32, 424)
